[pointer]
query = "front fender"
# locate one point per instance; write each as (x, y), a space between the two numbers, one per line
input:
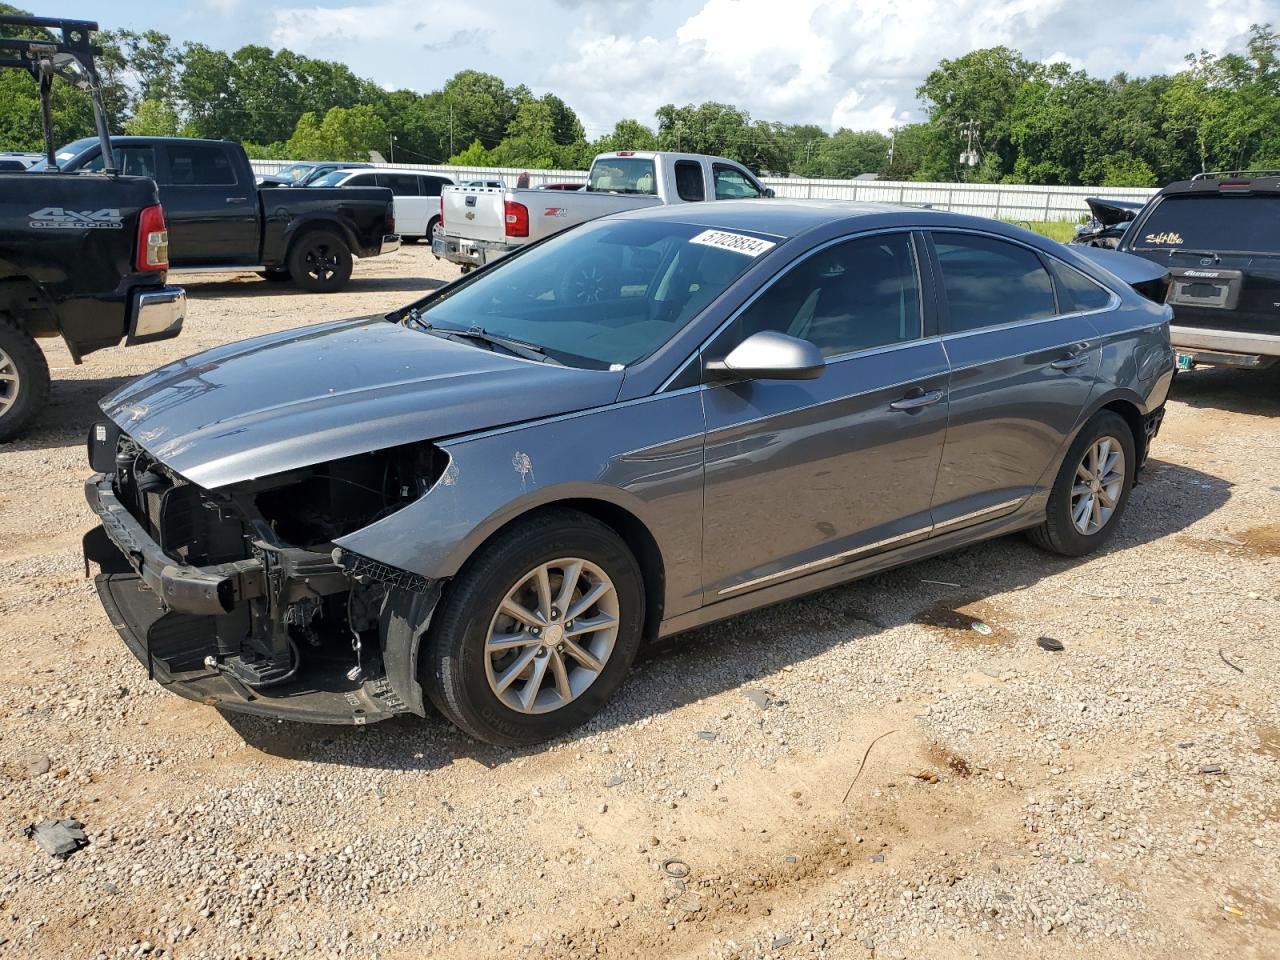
(623, 455)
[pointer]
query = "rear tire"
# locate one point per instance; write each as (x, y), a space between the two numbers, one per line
(1092, 488)
(411, 240)
(573, 667)
(24, 378)
(320, 262)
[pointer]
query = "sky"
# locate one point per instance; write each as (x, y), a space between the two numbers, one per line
(836, 63)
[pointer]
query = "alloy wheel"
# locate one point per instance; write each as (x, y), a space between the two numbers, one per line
(10, 383)
(322, 262)
(1098, 484)
(552, 635)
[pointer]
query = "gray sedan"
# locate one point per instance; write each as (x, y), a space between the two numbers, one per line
(486, 501)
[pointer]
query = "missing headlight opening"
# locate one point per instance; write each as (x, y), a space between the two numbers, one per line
(244, 590)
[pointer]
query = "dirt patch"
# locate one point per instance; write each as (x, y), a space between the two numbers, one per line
(943, 757)
(1269, 742)
(965, 623)
(1262, 540)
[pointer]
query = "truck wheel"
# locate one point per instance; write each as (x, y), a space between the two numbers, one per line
(320, 262)
(24, 378)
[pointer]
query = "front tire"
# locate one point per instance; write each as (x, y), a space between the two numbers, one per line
(1092, 488)
(24, 378)
(537, 632)
(320, 262)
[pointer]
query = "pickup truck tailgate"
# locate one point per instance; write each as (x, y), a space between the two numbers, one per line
(475, 213)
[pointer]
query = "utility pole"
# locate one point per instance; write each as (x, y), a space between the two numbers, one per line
(969, 157)
(451, 153)
(393, 148)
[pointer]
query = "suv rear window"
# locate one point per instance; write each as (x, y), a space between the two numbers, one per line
(1213, 224)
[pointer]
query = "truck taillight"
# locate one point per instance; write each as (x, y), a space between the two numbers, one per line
(517, 217)
(442, 213)
(153, 240)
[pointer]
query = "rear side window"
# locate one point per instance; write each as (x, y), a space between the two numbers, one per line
(732, 183)
(989, 282)
(689, 185)
(856, 295)
(1212, 224)
(431, 186)
(200, 165)
(1076, 291)
(401, 184)
(361, 180)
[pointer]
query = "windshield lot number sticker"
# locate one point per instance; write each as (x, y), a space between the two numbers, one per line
(1174, 238)
(56, 218)
(736, 242)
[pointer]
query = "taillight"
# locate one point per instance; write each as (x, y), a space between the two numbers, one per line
(517, 216)
(1235, 184)
(442, 213)
(153, 240)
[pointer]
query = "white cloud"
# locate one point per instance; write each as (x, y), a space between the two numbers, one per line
(852, 63)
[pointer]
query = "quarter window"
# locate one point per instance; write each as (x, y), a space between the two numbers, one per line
(732, 183)
(689, 185)
(990, 282)
(856, 295)
(198, 165)
(1076, 291)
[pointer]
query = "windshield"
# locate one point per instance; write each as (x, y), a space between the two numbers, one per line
(607, 293)
(622, 175)
(1214, 224)
(331, 179)
(67, 152)
(294, 171)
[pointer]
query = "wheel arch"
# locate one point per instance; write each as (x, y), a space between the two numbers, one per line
(305, 225)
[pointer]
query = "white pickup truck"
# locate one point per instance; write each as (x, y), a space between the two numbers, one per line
(481, 224)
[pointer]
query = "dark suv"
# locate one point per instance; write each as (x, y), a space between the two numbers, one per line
(1219, 235)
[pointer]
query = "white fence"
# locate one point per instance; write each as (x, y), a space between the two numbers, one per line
(999, 200)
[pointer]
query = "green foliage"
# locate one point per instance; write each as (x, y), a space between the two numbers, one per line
(1030, 122)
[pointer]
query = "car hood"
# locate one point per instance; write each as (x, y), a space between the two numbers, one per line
(287, 400)
(1110, 212)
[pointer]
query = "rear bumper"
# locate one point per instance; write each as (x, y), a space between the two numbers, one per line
(156, 315)
(390, 244)
(467, 253)
(1188, 340)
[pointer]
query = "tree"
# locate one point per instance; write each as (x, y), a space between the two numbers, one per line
(153, 118)
(627, 135)
(474, 156)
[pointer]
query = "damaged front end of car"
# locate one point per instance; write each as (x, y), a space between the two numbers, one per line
(239, 598)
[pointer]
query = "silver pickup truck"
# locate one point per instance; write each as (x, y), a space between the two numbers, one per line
(481, 224)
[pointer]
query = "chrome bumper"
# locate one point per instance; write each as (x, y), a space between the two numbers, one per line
(390, 244)
(156, 315)
(1191, 339)
(451, 249)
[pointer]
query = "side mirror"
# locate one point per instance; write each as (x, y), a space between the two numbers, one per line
(768, 192)
(769, 355)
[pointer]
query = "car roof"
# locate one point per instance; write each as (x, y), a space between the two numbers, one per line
(369, 168)
(785, 218)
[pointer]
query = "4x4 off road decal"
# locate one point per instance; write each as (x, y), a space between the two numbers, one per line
(56, 218)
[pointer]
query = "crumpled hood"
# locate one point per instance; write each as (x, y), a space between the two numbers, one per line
(291, 399)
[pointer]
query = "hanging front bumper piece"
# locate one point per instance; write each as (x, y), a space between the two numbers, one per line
(192, 626)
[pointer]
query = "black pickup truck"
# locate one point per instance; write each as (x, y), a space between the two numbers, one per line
(81, 258)
(220, 219)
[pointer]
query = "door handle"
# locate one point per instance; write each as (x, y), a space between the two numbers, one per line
(236, 199)
(921, 399)
(1073, 362)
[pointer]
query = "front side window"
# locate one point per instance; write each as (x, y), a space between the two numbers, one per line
(195, 164)
(732, 183)
(1224, 223)
(296, 171)
(856, 295)
(689, 185)
(401, 184)
(623, 175)
(990, 282)
(333, 178)
(608, 292)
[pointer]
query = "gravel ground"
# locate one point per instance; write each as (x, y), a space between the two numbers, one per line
(858, 774)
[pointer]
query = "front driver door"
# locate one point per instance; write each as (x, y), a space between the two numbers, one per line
(805, 475)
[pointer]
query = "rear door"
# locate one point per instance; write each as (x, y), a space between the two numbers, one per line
(211, 214)
(410, 205)
(1022, 369)
(805, 475)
